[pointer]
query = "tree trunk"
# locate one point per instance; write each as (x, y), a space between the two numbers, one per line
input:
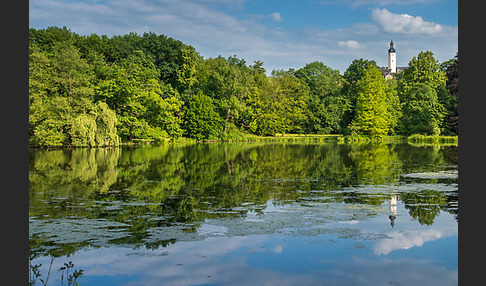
(226, 120)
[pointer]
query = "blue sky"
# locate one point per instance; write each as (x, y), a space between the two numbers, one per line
(282, 34)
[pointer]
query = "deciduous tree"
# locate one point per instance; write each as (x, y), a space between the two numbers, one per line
(373, 115)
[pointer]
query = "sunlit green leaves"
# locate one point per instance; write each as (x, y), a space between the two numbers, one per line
(422, 112)
(373, 116)
(150, 81)
(201, 120)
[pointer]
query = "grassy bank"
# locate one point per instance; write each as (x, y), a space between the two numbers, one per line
(424, 139)
(415, 139)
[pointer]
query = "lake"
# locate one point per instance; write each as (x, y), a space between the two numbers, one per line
(246, 214)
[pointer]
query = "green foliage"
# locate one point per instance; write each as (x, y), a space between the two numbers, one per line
(102, 91)
(71, 77)
(292, 94)
(106, 133)
(450, 99)
(419, 87)
(349, 92)
(145, 107)
(98, 128)
(163, 109)
(451, 69)
(325, 105)
(201, 120)
(267, 110)
(229, 82)
(373, 116)
(83, 131)
(175, 61)
(425, 69)
(422, 111)
(279, 105)
(393, 103)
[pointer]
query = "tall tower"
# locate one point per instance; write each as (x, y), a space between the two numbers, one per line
(392, 58)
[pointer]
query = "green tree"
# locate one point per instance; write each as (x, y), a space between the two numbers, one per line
(72, 74)
(106, 122)
(175, 61)
(164, 108)
(279, 104)
(423, 68)
(325, 105)
(451, 69)
(419, 85)
(122, 92)
(201, 121)
(394, 106)
(268, 111)
(229, 83)
(258, 67)
(83, 130)
(40, 88)
(119, 47)
(145, 107)
(422, 112)
(448, 96)
(292, 94)
(47, 38)
(373, 115)
(60, 91)
(349, 91)
(95, 128)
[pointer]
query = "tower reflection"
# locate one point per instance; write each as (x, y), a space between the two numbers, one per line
(393, 209)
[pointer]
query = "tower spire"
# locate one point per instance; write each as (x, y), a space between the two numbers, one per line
(392, 47)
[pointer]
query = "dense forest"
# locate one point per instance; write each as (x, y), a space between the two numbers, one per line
(102, 91)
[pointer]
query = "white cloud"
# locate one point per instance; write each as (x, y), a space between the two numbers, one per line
(213, 31)
(276, 17)
(349, 44)
(403, 23)
(235, 4)
(359, 3)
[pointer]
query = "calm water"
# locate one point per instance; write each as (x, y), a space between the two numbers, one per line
(247, 214)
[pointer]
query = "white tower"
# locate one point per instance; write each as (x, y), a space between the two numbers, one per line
(392, 58)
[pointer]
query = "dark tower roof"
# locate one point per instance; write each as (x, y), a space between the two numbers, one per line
(392, 47)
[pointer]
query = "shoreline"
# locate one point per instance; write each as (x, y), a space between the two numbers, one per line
(415, 139)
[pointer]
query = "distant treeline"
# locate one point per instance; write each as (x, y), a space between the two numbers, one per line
(102, 91)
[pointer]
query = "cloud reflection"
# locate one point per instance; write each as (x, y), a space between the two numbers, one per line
(363, 272)
(230, 261)
(412, 238)
(190, 263)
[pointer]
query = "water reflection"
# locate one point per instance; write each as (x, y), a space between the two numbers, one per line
(152, 200)
(279, 259)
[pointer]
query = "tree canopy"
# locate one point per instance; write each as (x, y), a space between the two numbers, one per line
(373, 116)
(97, 90)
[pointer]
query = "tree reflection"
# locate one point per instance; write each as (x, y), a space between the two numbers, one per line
(375, 163)
(62, 179)
(425, 205)
(170, 185)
